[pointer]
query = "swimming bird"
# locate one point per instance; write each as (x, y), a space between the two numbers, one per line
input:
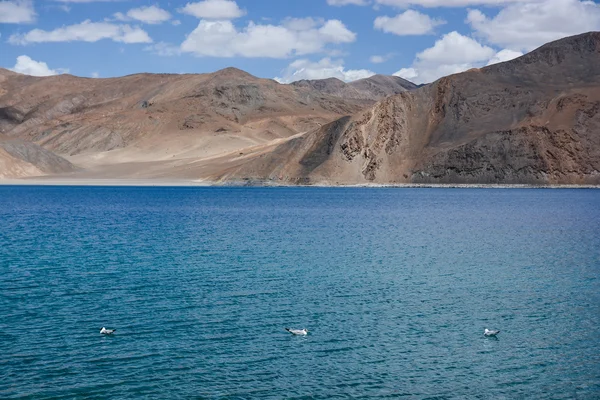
(105, 331)
(300, 332)
(490, 332)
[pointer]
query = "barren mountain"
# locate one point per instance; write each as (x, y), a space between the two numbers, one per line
(375, 87)
(150, 118)
(534, 120)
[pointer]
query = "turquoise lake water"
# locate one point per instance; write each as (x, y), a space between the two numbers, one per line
(395, 286)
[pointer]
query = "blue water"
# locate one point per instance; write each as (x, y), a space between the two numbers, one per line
(395, 286)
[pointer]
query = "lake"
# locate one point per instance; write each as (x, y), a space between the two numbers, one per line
(395, 285)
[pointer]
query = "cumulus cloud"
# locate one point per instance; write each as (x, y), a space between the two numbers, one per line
(451, 54)
(213, 9)
(87, 31)
(409, 22)
(407, 73)
(16, 12)
(325, 68)
(223, 39)
(25, 65)
(147, 15)
(528, 25)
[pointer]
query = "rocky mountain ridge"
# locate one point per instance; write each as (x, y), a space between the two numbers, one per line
(532, 120)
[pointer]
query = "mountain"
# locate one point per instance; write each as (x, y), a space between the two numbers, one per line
(375, 87)
(157, 117)
(532, 120)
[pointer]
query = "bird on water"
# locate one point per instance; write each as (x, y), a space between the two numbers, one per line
(490, 332)
(299, 332)
(105, 331)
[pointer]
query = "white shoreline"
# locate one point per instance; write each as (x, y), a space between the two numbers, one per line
(202, 183)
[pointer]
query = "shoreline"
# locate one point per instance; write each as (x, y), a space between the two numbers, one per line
(202, 183)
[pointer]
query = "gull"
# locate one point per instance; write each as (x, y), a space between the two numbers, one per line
(490, 332)
(105, 331)
(300, 332)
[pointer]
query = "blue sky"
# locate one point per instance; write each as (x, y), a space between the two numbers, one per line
(420, 40)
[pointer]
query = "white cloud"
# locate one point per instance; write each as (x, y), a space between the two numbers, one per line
(451, 54)
(223, 39)
(448, 3)
(147, 15)
(213, 9)
(86, 31)
(455, 48)
(504, 55)
(325, 68)
(95, 75)
(409, 22)
(347, 2)
(530, 25)
(407, 73)
(16, 12)
(25, 65)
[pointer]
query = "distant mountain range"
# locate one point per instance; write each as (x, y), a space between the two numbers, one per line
(532, 120)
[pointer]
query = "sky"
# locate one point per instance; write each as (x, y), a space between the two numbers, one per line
(287, 40)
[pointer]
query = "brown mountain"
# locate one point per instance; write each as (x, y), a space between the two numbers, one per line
(533, 120)
(153, 118)
(375, 87)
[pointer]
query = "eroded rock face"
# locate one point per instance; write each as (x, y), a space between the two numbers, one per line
(377, 133)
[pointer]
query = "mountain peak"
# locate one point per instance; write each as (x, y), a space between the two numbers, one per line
(232, 72)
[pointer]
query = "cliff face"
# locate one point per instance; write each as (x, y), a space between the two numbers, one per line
(532, 120)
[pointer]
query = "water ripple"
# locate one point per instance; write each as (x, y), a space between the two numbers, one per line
(395, 286)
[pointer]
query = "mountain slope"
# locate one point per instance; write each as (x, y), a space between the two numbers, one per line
(158, 116)
(532, 120)
(20, 159)
(375, 87)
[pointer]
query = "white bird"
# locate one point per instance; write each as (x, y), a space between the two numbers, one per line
(300, 332)
(490, 332)
(105, 331)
